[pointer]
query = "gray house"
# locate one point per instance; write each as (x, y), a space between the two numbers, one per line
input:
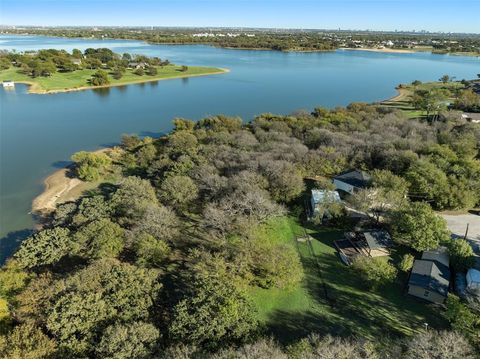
(430, 276)
(352, 181)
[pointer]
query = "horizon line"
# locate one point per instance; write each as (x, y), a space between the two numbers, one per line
(412, 31)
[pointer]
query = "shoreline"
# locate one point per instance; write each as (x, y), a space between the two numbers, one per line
(34, 87)
(384, 50)
(401, 94)
(370, 49)
(60, 187)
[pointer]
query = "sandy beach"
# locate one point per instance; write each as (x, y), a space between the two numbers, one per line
(59, 188)
(385, 50)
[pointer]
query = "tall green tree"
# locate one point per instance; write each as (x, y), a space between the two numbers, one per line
(461, 253)
(99, 78)
(45, 247)
(136, 340)
(132, 198)
(107, 291)
(419, 227)
(27, 341)
(178, 191)
(216, 314)
(90, 166)
(100, 239)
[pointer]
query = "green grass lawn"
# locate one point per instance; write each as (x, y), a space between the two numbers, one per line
(77, 79)
(338, 304)
(403, 101)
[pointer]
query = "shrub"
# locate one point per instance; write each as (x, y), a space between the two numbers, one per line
(461, 253)
(374, 272)
(139, 71)
(99, 78)
(406, 263)
(90, 165)
(152, 71)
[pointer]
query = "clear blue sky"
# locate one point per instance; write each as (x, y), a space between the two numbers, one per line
(432, 15)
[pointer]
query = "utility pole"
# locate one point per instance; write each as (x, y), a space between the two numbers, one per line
(466, 232)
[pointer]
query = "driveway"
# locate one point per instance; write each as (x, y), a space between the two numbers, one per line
(458, 226)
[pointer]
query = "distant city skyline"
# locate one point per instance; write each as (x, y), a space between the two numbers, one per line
(376, 15)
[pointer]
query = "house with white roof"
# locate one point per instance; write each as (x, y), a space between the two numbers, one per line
(321, 199)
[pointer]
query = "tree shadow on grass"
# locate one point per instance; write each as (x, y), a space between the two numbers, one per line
(288, 327)
(362, 311)
(356, 309)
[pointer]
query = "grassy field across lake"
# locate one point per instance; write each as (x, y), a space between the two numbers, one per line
(79, 79)
(331, 299)
(403, 100)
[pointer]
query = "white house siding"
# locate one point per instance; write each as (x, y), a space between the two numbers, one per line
(420, 292)
(343, 186)
(312, 203)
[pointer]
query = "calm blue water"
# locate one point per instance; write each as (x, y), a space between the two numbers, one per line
(39, 132)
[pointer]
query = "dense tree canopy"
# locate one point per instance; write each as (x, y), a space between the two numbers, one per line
(45, 247)
(164, 255)
(215, 314)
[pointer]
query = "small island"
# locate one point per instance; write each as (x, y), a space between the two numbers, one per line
(53, 71)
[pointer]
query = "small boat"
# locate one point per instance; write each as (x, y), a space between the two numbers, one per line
(8, 83)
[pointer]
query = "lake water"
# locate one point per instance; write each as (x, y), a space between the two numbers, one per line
(38, 133)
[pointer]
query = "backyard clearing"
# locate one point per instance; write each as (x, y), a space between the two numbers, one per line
(330, 297)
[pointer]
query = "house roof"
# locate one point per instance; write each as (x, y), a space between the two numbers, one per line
(378, 239)
(431, 275)
(439, 255)
(325, 196)
(356, 178)
(473, 276)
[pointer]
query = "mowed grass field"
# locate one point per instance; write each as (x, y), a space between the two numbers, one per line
(403, 100)
(62, 81)
(331, 299)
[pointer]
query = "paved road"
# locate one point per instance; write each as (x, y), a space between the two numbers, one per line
(458, 226)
